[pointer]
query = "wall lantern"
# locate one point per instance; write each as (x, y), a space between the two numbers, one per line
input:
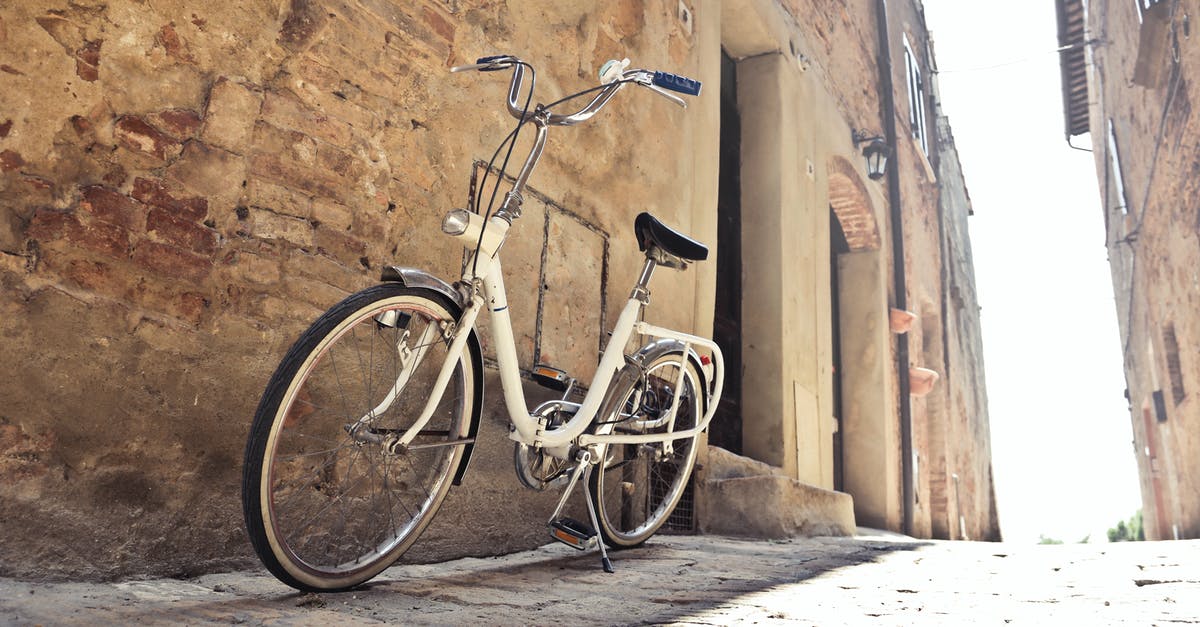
(876, 153)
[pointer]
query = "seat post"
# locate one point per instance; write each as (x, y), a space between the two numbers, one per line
(641, 291)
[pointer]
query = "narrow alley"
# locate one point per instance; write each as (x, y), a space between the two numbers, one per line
(689, 580)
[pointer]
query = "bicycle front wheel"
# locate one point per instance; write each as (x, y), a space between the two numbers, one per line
(637, 486)
(327, 506)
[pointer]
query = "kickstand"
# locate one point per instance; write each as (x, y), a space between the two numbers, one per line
(576, 534)
(587, 496)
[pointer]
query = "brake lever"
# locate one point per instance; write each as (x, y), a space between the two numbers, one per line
(645, 79)
(665, 94)
(465, 68)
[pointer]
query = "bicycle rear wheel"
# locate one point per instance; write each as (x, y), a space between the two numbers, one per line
(328, 510)
(637, 486)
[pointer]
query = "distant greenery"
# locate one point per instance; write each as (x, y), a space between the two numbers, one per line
(1131, 531)
(1044, 540)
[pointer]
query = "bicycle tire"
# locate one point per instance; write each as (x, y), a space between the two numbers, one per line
(326, 511)
(637, 486)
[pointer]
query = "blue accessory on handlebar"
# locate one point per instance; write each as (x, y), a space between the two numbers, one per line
(674, 82)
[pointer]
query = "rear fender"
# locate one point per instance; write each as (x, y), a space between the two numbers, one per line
(658, 348)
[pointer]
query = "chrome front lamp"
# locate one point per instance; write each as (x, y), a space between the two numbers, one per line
(456, 222)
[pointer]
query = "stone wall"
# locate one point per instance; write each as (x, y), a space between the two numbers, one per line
(184, 187)
(1142, 82)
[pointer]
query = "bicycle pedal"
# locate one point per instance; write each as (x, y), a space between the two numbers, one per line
(550, 377)
(573, 533)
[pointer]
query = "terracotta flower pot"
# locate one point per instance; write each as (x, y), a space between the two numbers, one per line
(921, 380)
(900, 321)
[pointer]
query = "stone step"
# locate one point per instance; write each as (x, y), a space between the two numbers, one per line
(739, 496)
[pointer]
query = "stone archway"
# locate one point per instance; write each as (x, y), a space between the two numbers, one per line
(851, 204)
(865, 447)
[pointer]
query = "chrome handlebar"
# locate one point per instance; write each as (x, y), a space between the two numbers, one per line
(645, 78)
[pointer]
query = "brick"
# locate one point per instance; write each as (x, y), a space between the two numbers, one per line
(438, 24)
(285, 144)
(301, 176)
(174, 45)
(339, 162)
(168, 228)
(170, 261)
(138, 135)
(413, 27)
(269, 225)
(11, 160)
(317, 293)
(342, 246)
(210, 173)
(181, 123)
(332, 215)
(305, 21)
(278, 198)
(108, 205)
(189, 306)
(50, 225)
(285, 111)
(322, 268)
(256, 268)
(93, 275)
(68, 34)
(154, 193)
(87, 60)
(232, 109)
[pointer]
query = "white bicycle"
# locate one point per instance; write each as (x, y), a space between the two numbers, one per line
(373, 413)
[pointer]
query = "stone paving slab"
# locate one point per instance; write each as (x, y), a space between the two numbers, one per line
(685, 580)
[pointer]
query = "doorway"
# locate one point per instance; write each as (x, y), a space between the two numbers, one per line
(725, 430)
(838, 246)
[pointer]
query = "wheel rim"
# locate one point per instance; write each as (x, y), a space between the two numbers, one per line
(338, 507)
(639, 485)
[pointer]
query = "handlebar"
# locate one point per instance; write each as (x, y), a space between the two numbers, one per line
(658, 82)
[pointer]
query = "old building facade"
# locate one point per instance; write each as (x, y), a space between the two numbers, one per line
(185, 188)
(1128, 83)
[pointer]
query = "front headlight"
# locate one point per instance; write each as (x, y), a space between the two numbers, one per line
(455, 222)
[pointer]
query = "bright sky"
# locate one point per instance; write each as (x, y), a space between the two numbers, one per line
(1062, 451)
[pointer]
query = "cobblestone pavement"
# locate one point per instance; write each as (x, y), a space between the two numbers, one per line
(877, 580)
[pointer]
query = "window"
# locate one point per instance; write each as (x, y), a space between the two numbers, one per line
(1114, 162)
(916, 97)
(1174, 367)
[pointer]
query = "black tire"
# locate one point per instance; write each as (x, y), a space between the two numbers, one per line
(326, 511)
(637, 486)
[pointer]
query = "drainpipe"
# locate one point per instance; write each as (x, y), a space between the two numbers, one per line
(887, 106)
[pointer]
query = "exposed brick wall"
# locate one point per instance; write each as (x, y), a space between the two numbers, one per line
(1144, 84)
(184, 187)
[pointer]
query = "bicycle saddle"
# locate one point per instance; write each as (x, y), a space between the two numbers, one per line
(652, 232)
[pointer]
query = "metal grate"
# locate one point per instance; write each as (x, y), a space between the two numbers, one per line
(683, 519)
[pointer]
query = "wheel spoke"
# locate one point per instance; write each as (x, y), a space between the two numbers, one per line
(339, 510)
(641, 485)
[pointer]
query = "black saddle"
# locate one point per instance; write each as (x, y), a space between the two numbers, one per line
(652, 232)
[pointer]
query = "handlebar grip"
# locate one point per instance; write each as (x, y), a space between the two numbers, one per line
(493, 59)
(674, 82)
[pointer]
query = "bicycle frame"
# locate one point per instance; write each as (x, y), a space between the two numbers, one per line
(484, 274)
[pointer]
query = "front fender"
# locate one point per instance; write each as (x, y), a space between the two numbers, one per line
(413, 277)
